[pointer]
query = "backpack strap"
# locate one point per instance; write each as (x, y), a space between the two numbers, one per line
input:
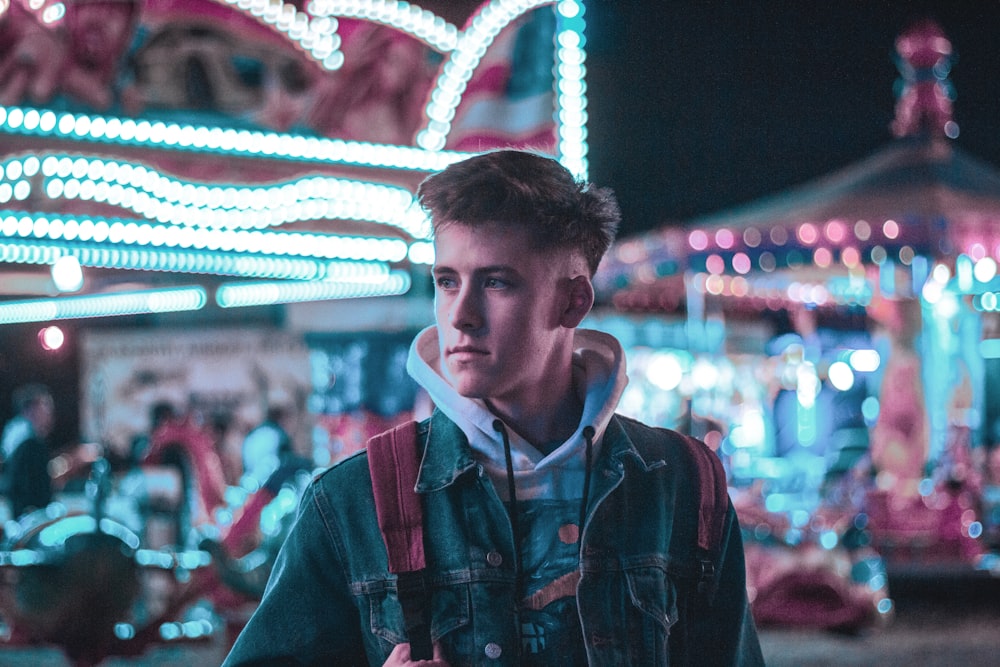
(713, 507)
(393, 460)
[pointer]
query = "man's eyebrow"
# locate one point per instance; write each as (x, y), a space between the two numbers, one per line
(492, 268)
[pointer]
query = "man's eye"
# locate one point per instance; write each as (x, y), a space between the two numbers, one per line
(495, 283)
(445, 283)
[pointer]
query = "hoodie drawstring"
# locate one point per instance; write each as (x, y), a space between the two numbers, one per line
(588, 435)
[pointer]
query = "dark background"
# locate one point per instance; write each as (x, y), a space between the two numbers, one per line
(699, 106)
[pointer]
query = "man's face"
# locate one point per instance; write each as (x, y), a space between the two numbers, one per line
(42, 415)
(497, 304)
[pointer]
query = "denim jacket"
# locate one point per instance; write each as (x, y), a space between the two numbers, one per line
(332, 601)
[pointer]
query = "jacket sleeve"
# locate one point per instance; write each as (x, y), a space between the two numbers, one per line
(721, 631)
(307, 615)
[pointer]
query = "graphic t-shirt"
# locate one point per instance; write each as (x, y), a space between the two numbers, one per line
(550, 556)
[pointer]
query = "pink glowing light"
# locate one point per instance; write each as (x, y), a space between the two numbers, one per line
(835, 231)
(850, 257)
(741, 263)
(715, 264)
(698, 240)
(822, 257)
(807, 233)
(890, 229)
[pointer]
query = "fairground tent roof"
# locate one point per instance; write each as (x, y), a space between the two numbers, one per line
(918, 200)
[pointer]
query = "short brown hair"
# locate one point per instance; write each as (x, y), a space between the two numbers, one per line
(529, 190)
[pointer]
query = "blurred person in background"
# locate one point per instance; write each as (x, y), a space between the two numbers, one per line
(268, 445)
(25, 446)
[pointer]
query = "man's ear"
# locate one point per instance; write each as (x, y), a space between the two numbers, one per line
(579, 301)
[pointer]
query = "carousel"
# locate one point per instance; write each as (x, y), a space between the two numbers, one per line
(838, 344)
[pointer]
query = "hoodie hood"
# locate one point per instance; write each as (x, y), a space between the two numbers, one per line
(599, 377)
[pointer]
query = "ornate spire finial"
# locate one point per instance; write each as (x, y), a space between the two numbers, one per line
(923, 104)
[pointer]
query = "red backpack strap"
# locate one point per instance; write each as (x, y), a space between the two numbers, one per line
(714, 495)
(393, 461)
(713, 507)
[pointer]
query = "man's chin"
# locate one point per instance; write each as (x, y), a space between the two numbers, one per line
(471, 392)
(469, 389)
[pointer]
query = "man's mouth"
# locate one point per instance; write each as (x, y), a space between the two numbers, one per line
(466, 351)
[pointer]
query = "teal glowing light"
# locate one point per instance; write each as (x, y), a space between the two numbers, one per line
(226, 141)
(103, 305)
(235, 295)
(142, 245)
(155, 196)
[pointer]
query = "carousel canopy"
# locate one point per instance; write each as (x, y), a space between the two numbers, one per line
(160, 155)
(917, 201)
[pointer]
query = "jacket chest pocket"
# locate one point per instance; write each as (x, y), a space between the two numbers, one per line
(648, 611)
(654, 611)
(450, 609)
(653, 594)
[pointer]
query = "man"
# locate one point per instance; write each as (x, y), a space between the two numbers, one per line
(552, 527)
(26, 478)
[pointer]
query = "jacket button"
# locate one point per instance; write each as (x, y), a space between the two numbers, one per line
(493, 650)
(494, 558)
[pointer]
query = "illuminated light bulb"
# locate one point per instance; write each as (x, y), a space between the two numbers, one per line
(822, 257)
(741, 263)
(665, 371)
(724, 238)
(698, 240)
(31, 119)
(850, 257)
(985, 269)
(739, 286)
(67, 274)
(14, 118)
(890, 229)
(751, 237)
(906, 255)
(807, 233)
(714, 284)
(13, 170)
(819, 295)
(22, 189)
(941, 273)
(865, 361)
(715, 264)
(51, 338)
(421, 252)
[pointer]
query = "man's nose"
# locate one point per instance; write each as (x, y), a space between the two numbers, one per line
(466, 310)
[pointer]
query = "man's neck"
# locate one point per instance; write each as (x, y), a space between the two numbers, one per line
(545, 424)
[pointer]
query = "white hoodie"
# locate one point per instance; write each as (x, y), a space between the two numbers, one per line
(598, 375)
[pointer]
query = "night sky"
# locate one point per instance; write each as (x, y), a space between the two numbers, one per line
(700, 106)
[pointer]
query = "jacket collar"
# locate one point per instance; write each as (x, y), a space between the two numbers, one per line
(448, 455)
